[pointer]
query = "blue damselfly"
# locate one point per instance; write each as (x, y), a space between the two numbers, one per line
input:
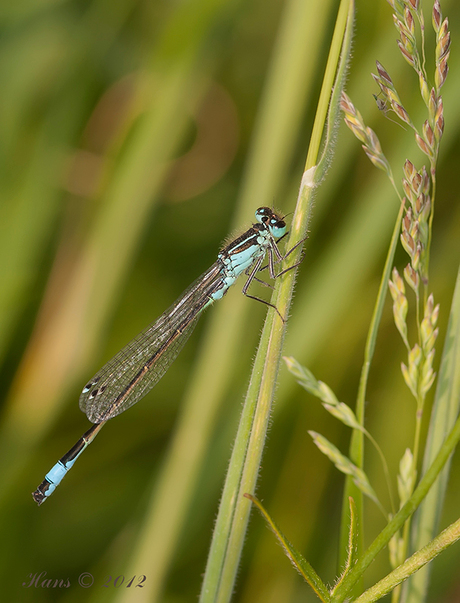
(133, 372)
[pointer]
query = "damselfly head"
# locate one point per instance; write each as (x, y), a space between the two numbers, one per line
(275, 224)
(263, 214)
(277, 227)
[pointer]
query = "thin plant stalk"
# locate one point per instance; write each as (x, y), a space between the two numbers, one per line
(422, 489)
(357, 440)
(445, 410)
(244, 467)
(415, 562)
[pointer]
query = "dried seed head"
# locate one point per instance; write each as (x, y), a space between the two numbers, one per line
(417, 183)
(356, 129)
(437, 16)
(428, 375)
(444, 28)
(408, 243)
(407, 40)
(407, 220)
(373, 141)
(428, 135)
(394, 292)
(424, 89)
(376, 79)
(440, 73)
(409, 21)
(407, 189)
(432, 340)
(384, 75)
(411, 276)
(411, 373)
(415, 355)
(422, 145)
(410, 378)
(439, 120)
(423, 233)
(416, 257)
(353, 118)
(401, 112)
(435, 315)
(425, 212)
(406, 480)
(414, 230)
(443, 46)
(407, 55)
(409, 169)
(428, 335)
(442, 51)
(397, 288)
(428, 330)
(398, 281)
(345, 104)
(432, 105)
(402, 29)
(387, 93)
(400, 307)
(397, 5)
(371, 146)
(379, 160)
(419, 203)
(429, 357)
(425, 180)
(429, 306)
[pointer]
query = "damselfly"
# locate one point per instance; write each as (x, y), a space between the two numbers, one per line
(139, 366)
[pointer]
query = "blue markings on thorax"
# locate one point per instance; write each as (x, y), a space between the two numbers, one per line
(240, 254)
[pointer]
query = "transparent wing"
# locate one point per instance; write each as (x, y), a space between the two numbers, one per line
(138, 367)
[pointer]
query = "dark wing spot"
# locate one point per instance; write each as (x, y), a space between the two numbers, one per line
(89, 385)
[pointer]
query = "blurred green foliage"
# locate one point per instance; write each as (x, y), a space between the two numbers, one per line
(131, 144)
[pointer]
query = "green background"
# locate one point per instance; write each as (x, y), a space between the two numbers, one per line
(133, 140)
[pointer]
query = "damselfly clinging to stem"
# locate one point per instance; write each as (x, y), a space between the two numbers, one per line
(139, 366)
